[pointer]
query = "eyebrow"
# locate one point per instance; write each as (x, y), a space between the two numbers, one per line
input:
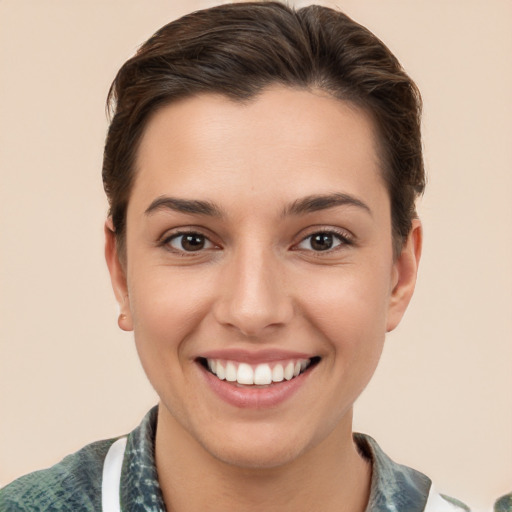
(308, 204)
(314, 203)
(192, 206)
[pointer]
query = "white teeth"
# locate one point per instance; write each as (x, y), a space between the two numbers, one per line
(278, 373)
(221, 373)
(263, 374)
(212, 364)
(260, 375)
(230, 372)
(288, 371)
(244, 375)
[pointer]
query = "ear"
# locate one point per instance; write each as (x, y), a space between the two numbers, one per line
(405, 270)
(118, 277)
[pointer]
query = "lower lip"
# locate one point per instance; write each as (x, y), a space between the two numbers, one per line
(254, 397)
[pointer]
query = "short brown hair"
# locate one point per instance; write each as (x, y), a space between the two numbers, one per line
(239, 49)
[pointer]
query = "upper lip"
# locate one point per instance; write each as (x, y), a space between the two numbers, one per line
(254, 357)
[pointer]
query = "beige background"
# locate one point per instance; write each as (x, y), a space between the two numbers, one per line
(441, 400)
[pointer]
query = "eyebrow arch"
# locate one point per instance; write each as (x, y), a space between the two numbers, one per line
(315, 203)
(192, 206)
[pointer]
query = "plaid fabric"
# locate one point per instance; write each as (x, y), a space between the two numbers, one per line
(74, 484)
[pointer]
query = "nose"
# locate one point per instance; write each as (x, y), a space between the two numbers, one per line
(253, 296)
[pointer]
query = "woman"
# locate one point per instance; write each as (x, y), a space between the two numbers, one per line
(261, 166)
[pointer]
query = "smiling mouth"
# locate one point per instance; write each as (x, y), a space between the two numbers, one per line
(264, 374)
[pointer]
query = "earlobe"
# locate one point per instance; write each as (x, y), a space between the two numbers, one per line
(117, 277)
(405, 271)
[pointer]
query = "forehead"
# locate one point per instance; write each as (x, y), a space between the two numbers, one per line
(297, 140)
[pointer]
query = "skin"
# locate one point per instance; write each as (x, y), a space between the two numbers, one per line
(258, 283)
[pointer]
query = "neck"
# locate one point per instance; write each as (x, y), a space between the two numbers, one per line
(329, 476)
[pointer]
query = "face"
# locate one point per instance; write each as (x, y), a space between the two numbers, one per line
(259, 278)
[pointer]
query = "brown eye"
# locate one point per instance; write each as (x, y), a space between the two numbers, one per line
(323, 241)
(190, 242)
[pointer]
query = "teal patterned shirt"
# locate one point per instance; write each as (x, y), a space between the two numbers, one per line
(74, 484)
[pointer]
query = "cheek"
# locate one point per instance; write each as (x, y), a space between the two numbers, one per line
(166, 307)
(349, 308)
(347, 303)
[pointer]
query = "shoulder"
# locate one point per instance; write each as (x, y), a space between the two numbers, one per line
(74, 484)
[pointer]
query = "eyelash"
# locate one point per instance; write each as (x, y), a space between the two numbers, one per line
(166, 242)
(343, 238)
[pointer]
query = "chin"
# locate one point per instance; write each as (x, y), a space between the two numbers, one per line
(257, 447)
(256, 457)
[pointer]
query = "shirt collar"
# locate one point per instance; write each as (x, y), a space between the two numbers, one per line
(394, 488)
(140, 491)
